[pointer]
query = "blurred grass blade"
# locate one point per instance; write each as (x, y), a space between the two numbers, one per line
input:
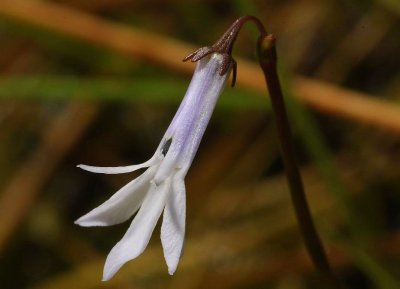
(146, 90)
(392, 5)
(319, 152)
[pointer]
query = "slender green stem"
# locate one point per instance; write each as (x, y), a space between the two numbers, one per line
(268, 62)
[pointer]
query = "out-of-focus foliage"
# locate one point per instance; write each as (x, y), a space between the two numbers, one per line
(68, 99)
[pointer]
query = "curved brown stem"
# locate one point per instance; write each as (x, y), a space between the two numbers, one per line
(268, 61)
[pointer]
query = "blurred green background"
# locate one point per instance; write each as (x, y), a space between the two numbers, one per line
(98, 81)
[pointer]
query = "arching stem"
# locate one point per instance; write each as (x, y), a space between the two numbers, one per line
(268, 61)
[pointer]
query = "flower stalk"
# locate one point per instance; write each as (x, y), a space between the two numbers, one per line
(267, 57)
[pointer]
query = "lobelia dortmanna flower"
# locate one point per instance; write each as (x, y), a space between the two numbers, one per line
(161, 188)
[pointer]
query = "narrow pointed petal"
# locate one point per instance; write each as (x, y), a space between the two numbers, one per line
(138, 235)
(173, 226)
(118, 170)
(167, 166)
(122, 205)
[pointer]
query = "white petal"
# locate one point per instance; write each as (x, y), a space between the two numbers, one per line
(138, 235)
(167, 166)
(122, 205)
(118, 170)
(173, 226)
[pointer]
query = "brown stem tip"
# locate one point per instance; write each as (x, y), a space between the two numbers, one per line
(224, 46)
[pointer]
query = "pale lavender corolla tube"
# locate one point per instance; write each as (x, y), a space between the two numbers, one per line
(161, 187)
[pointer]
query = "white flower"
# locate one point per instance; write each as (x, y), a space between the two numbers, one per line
(161, 187)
